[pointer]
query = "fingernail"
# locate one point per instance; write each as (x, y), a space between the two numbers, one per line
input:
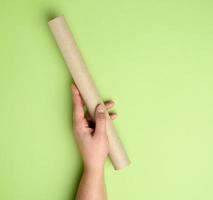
(101, 108)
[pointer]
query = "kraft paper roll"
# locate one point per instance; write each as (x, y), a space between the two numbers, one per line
(85, 84)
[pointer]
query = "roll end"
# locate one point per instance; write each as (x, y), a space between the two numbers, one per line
(56, 19)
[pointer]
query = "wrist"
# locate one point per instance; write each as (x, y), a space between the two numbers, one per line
(99, 170)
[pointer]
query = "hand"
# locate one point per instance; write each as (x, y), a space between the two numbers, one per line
(91, 136)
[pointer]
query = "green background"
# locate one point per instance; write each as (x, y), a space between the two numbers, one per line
(154, 58)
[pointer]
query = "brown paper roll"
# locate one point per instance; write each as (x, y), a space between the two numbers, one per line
(84, 82)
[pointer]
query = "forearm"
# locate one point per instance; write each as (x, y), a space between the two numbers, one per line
(92, 185)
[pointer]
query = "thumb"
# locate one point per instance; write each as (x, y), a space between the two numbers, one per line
(100, 119)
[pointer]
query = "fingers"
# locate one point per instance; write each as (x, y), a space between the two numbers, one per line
(100, 120)
(109, 104)
(78, 107)
(113, 116)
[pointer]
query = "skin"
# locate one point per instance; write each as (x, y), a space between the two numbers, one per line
(93, 145)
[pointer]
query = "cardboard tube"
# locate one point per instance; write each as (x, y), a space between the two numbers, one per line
(85, 84)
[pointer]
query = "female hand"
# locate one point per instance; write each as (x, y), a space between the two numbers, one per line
(91, 136)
